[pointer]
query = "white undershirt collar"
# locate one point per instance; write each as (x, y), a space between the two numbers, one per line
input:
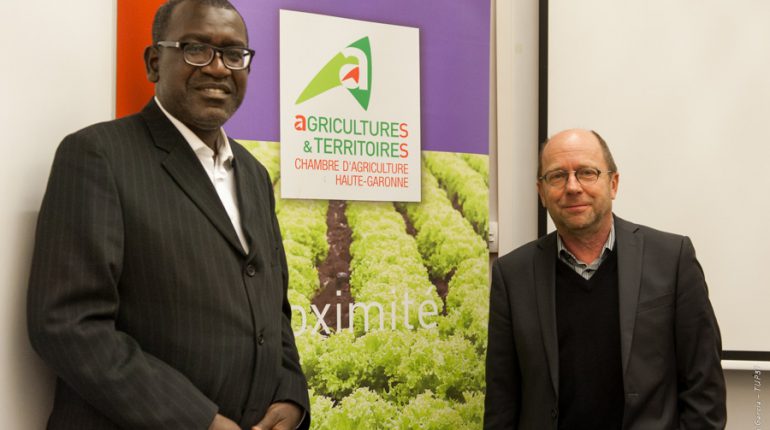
(218, 166)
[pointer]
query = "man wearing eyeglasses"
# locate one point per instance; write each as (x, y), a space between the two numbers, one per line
(158, 284)
(603, 324)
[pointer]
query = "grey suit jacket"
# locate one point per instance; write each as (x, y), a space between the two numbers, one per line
(670, 341)
(142, 299)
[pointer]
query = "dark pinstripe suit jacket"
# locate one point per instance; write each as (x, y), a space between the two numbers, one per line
(141, 297)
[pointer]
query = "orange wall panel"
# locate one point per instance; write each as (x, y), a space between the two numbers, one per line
(134, 24)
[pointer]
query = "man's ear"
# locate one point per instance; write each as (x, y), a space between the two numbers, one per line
(151, 63)
(614, 184)
(540, 192)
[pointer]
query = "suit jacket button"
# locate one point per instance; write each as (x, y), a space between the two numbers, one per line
(554, 413)
(260, 340)
(251, 270)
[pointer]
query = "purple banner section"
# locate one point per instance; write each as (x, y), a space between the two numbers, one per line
(454, 65)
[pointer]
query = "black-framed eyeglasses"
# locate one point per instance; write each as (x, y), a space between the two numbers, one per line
(202, 54)
(584, 175)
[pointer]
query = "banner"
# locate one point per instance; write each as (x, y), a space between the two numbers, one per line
(389, 297)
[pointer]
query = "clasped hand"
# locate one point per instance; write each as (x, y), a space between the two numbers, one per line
(279, 416)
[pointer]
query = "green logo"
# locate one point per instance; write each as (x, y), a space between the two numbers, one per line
(351, 68)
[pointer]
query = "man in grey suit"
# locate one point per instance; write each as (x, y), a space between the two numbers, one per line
(158, 284)
(603, 324)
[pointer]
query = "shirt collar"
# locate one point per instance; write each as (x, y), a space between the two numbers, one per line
(608, 246)
(224, 154)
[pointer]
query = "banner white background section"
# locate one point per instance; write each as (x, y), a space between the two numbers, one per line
(307, 45)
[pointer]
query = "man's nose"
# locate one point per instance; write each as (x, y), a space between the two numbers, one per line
(573, 185)
(216, 67)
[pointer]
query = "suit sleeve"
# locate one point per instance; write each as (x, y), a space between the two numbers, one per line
(292, 385)
(701, 384)
(503, 396)
(73, 301)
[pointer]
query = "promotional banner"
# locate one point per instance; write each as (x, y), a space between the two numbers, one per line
(388, 280)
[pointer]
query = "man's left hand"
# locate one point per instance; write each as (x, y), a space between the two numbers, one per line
(280, 416)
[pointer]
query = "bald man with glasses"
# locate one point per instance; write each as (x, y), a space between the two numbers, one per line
(158, 285)
(602, 324)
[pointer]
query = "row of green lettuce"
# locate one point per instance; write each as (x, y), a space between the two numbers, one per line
(463, 183)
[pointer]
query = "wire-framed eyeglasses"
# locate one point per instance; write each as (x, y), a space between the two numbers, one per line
(584, 175)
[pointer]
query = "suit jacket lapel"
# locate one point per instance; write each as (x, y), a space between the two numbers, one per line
(545, 285)
(630, 243)
(186, 170)
(247, 206)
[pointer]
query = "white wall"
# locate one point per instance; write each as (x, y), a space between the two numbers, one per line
(584, 92)
(69, 83)
(681, 92)
(516, 118)
(57, 76)
(742, 398)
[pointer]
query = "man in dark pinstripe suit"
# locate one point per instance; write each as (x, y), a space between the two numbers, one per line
(158, 284)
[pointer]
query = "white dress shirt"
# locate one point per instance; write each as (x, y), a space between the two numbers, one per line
(219, 166)
(586, 270)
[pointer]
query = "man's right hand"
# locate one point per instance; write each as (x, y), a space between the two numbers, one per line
(223, 423)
